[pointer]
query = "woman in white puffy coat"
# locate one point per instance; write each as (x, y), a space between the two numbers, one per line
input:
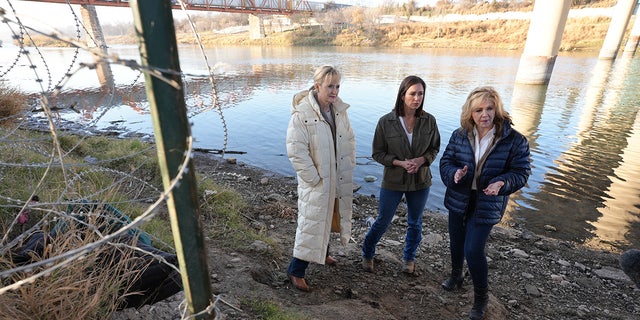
(321, 147)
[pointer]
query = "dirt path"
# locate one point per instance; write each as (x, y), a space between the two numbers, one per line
(531, 276)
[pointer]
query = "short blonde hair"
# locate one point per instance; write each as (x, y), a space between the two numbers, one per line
(323, 73)
(477, 96)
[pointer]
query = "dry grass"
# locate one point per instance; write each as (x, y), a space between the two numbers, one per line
(585, 33)
(41, 40)
(87, 288)
(12, 103)
(579, 34)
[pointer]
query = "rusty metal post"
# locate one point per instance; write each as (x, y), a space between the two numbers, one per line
(158, 50)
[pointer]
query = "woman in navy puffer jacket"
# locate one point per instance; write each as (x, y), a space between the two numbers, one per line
(484, 162)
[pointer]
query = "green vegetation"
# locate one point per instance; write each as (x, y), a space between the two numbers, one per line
(222, 209)
(35, 168)
(270, 311)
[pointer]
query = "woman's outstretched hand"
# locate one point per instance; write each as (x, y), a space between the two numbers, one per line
(460, 173)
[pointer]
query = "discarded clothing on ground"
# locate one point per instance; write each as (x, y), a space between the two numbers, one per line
(157, 280)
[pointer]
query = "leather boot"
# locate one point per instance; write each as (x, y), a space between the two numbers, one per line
(409, 267)
(454, 281)
(330, 261)
(299, 283)
(480, 302)
(367, 264)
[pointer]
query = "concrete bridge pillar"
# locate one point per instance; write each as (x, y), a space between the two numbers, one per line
(543, 41)
(619, 20)
(634, 38)
(256, 27)
(96, 40)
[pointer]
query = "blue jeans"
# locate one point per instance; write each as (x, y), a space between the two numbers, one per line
(467, 240)
(389, 201)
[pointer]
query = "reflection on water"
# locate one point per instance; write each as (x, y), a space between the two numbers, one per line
(583, 127)
(589, 191)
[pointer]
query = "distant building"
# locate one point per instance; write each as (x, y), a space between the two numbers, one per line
(325, 6)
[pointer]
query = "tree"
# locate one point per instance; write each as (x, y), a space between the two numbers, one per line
(409, 8)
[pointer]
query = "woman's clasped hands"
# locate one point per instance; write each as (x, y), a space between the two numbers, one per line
(412, 165)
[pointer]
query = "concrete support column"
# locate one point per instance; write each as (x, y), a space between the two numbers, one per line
(256, 27)
(543, 41)
(96, 40)
(634, 38)
(619, 20)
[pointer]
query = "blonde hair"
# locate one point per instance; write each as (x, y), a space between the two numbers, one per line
(477, 96)
(323, 73)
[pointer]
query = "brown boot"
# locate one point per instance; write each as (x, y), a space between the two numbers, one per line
(330, 261)
(409, 267)
(299, 283)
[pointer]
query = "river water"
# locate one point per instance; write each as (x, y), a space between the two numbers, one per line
(584, 127)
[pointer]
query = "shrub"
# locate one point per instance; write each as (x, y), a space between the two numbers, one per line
(12, 103)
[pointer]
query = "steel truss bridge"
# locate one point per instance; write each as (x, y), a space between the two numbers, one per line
(286, 7)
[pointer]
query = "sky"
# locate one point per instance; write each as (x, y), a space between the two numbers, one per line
(58, 15)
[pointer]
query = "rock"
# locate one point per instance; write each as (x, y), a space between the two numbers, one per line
(532, 290)
(563, 263)
(519, 253)
(370, 178)
(611, 274)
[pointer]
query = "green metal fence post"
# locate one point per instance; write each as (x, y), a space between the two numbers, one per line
(158, 49)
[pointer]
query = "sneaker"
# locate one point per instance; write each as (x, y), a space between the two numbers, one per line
(367, 264)
(409, 267)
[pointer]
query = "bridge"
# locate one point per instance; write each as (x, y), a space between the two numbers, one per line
(286, 7)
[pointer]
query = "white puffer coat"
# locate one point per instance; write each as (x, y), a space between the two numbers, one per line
(322, 176)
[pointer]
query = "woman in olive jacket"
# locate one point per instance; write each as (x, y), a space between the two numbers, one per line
(485, 161)
(406, 142)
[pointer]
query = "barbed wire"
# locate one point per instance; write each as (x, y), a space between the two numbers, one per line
(57, 157)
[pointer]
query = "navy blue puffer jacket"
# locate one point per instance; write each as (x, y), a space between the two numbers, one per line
(508, 161)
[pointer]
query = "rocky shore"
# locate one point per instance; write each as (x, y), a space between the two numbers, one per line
(531, 276)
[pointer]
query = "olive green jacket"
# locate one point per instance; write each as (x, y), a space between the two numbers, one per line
(390, 142)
